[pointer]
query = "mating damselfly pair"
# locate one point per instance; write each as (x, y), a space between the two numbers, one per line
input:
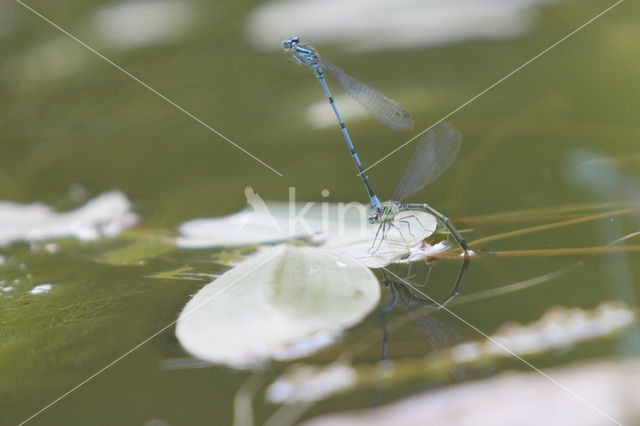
(435, 152)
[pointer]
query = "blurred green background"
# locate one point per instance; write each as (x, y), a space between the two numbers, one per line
(69, 119)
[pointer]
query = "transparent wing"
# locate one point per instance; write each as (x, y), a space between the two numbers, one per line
(435, 152)
(379, 106)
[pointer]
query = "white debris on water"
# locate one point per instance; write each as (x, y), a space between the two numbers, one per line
(365, 25)
(142, 23)
(41, 289)
(558, 329)
(307, 383)
(107, 215)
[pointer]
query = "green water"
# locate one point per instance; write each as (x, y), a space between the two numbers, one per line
(101, 129)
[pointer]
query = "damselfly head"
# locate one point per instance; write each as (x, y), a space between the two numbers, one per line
(290, 43)
(373, 219)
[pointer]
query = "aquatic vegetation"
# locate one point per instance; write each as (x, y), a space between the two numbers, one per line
(283, 303)
(558, 329)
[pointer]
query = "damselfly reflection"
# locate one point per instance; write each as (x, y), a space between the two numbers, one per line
(405, 291)
(411, 297)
